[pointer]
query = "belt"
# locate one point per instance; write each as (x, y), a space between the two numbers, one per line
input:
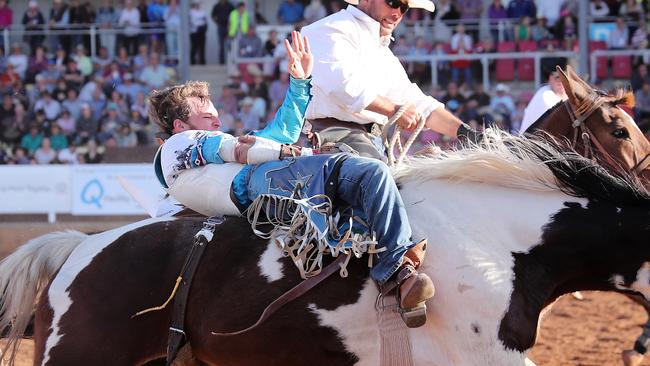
(320, 124)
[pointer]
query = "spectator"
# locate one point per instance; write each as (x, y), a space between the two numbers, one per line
(539, 31)
(6, 18)
(18, 59)
(419, 71)
(250, 119)
(639, 77)
(314, 11)
(117, 100)
(72, 75)
(7, 107)
(67, 123)
(59, 20)
(68, 155)
(112, 77)
(58, 140)
(567, 30)
(45, 154)
(101, 60)
(503, 104)
(598, 9)
(33, 21)
(130, 20)
(60, 91)
(517, 116)
(14, 125)
(123, 60)
(619, 36)
(20, 156)
(238, 21)
(107, 19)
(227, 119)
(37, 63)
(93, 153)
(86, 93)
(84, 63)
(129, 88)
(497, 14)
(482, 98)
(50, 107)
(549, 10)
(155, 76)
(523, 30)
(81, 15)
(32, 140)
(461, 44)
(141, 60)
(631, 10)
(8, 78)
(141, 106)
(87, 125)
(125, 137)
(521, 8)
(72, 103)
(640, 37)
(109, 124)
(446, 10)
(290, 12)
(172, 17)
(453, 100)
(198, 29)
(220, 15)
(470, 10)
(251, 44)
(61, 59)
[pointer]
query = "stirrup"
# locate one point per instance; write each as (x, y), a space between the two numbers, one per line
(414, 317)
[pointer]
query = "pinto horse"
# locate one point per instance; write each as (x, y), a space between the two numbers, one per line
(512, 225)
(608, 134)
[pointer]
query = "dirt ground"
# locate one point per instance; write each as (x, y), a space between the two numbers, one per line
(589, 332)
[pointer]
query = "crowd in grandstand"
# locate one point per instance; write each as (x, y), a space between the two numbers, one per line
(61, 104)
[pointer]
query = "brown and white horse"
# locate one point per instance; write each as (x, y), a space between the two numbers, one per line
(512, 225)
(606, 133)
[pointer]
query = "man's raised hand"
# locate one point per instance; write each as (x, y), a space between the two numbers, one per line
(301, 61)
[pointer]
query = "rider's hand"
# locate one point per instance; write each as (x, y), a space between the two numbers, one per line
(409, 119)
(244, 143)
(301, 61)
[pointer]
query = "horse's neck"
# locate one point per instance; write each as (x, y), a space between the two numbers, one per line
(475, 232)
(556, 122)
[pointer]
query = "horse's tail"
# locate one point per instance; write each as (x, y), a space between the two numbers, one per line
(24, 274)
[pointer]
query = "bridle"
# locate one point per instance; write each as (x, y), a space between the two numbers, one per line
(579, 116)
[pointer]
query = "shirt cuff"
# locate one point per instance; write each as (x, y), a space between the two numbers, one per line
(300, 86)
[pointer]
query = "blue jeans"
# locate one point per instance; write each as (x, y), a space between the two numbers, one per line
(467, 75)
(367, 184)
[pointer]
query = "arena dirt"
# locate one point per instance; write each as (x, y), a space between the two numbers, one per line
(590, 332)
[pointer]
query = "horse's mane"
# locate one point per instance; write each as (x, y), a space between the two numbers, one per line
(532, 164)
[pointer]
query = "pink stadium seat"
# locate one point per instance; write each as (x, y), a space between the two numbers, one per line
(601, 62)
(622, 67)
(526, 66)
(505, 68)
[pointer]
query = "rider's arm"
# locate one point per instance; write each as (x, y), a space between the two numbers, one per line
(286, 125)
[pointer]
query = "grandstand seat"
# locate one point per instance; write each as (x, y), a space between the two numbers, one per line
(526, 66)
(601, 62)
(505, 68)
(622, 67)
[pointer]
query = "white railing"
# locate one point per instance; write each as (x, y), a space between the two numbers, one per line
(483, 58)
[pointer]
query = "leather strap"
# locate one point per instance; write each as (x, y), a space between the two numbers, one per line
(294, 293)
(177, 336)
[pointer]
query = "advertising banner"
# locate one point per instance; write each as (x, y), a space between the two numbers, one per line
(35, 189)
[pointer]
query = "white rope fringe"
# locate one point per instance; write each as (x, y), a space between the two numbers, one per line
(294, 232)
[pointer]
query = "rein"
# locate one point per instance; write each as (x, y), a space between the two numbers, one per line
(579, 118)
(390, 145)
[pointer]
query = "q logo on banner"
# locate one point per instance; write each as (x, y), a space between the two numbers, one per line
(92, 193)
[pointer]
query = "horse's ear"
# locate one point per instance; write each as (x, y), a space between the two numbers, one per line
(574, 90)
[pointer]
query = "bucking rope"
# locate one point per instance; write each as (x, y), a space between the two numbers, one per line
(395, 139)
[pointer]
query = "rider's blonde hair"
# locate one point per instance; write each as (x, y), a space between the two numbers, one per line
(170, 104)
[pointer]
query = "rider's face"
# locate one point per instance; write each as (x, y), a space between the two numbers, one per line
(387, 17)
(203, 116)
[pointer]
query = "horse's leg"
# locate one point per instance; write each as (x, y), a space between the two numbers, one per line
(634, 357)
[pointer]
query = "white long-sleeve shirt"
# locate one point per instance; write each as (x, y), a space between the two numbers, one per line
(543, 100)
(130, 20)
(353, 66)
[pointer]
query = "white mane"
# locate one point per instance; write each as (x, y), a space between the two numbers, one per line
(501, 159)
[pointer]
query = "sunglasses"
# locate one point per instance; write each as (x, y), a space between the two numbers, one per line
(398, 4)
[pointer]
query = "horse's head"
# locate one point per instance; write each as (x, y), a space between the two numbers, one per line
(599, 126)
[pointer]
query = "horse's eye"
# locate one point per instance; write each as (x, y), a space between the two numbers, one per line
(621, 133)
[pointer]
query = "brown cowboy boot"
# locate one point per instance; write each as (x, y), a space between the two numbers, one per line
(414, 288)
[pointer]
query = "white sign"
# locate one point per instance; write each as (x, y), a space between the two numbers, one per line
(35, 189)
(96, 189)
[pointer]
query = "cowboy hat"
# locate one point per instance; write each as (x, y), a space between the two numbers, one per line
(422, 4)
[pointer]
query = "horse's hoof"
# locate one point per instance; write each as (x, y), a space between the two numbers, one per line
(631, 358)
(414, 317)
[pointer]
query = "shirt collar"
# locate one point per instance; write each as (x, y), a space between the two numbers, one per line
(370, 24)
